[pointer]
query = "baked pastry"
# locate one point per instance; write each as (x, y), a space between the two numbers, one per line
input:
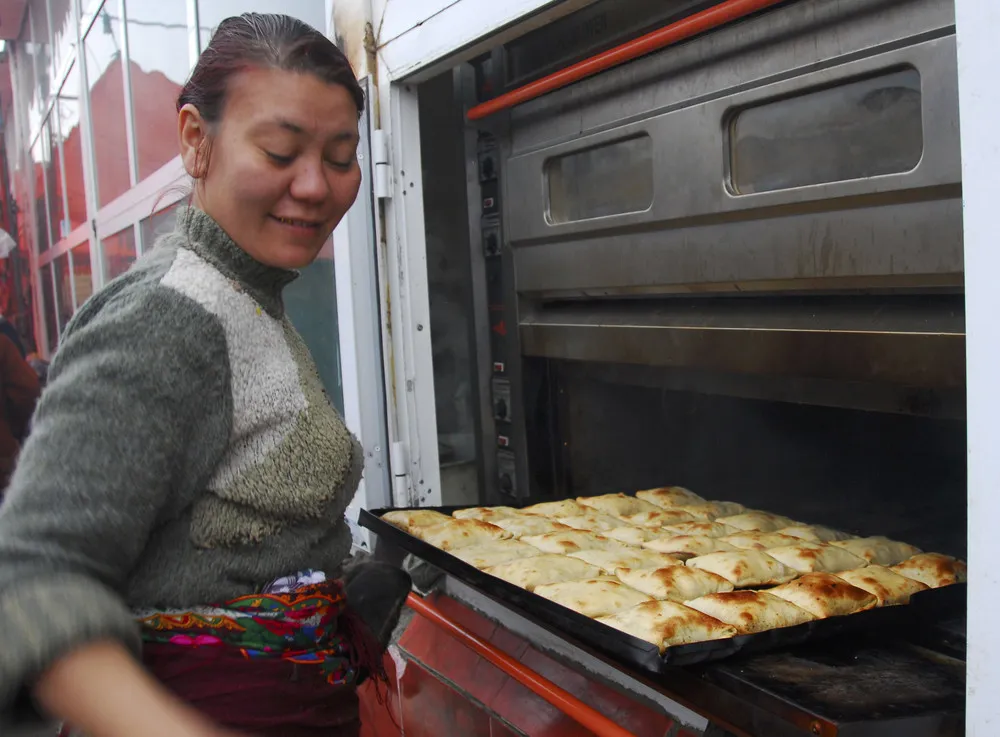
(824, 595)
(631, 535)
(687, 545)
(809, 557)
(669, 496)
(934, 569)
(486, 514)
(755, 540)
(408, 519)
(570, 541)
(611, 560)
(879, 550)
(460, 533)
(494, 553)
(616, 505)
(668, 624)
(709, 511)
(751, 611)
(529, 524)
(595, 521)
(657, 518)
(888, 587)
(745, 568)
(814, 533)
(562, 508)
(543, 569)
(708, 529)
(593, 597)
(754, 520)
(674, 583)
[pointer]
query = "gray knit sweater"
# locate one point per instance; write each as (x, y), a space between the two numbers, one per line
(183, 453)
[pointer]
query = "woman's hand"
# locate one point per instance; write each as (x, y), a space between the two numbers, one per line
(102, 691)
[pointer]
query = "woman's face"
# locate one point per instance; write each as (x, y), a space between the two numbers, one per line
(282, 168)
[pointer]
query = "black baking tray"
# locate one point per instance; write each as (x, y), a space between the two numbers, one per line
(925, 608)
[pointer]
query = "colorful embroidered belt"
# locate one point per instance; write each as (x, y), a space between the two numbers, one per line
(294, 619)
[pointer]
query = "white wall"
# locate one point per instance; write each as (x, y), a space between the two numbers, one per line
(979, 100)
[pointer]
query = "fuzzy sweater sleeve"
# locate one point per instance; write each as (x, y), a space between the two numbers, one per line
(132, 422)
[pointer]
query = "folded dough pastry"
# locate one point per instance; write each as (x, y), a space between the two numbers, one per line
(687, 545)
(890, 588)
(570, 541)
(755, 540)
(593, 597)
(460, 533)
(657, 518)
(745, 568)
(408, 519)
(934, 569)
(611, 560)
(669, 496)
(486, 514)
(595, 521)
(562, 508)
(814, 533)
(674, 583)
(824, 595)
(709, 511)
(529, 524)
(708, 529)
(616, 505)
(667, 624)
(751, 611)
(631, 535)
(753, 520)
(879, 550)
(806, 557)
(496, 552)
(543, 569)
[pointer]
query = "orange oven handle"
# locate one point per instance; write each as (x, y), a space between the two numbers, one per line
(563, 700)
(706, 20)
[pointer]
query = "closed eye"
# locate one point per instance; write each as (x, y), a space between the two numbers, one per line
(278, 158)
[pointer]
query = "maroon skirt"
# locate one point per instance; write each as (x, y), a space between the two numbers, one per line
(265, 697)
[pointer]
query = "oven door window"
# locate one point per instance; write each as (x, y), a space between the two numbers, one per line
(863, 128)
(611, 179)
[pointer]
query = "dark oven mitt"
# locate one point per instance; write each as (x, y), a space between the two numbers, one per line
(376, 593)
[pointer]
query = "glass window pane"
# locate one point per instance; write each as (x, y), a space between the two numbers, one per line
(158, 223)
(864, 128)
(63, 33)
(158, 42)
(213, 12)
(64, 290)
(67, 128)
(107, 105)
(119, 252)
(42, 170)
(610, 179)
(49, 306)
(82, 273)
(311, 304)
(53, 182)
(38, 49)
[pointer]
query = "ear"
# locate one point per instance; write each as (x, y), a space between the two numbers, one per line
(192, 130)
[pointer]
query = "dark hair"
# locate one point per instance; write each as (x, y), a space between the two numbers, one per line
(269, 41)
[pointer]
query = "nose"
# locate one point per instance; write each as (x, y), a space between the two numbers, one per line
(310, 183)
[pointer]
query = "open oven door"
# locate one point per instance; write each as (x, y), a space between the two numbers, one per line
(360, 311)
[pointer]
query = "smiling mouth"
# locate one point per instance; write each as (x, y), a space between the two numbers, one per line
(297, 223)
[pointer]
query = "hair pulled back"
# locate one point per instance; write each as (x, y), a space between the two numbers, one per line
(268, 41)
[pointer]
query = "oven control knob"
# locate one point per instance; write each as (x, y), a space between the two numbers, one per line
(506, 483)
(501, 410)
(492, 247)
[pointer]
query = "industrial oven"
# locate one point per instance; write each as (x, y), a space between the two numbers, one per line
(735, 265)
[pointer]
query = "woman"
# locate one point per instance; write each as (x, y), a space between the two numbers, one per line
(183, 489)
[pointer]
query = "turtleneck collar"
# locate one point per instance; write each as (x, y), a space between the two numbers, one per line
(207, 239)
